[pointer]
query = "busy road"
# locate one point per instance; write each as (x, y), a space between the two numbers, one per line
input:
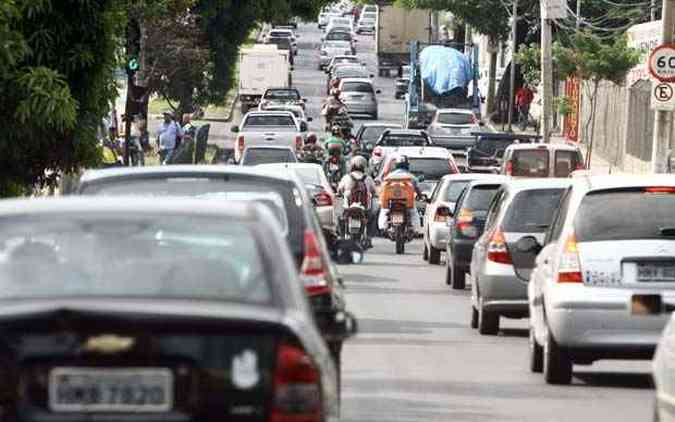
(415, 357)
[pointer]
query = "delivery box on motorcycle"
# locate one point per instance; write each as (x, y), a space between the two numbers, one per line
(397, 188)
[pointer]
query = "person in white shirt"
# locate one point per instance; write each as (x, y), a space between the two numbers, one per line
(168, 133)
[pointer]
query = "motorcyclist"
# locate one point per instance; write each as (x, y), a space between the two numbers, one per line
(402, 171)
(312, 152)
(336, 149)
(332, 106)
(358, 186)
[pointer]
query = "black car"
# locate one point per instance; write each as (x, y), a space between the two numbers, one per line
(369, 133)
(404, 138)
(467, 225)
(163, 309)
(282, 43)
(487, 151)
(292, 205)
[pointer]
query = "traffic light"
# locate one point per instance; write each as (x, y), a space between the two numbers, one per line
(132, 66)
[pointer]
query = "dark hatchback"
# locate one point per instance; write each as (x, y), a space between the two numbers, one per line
(282, 43)
(467, 225)
(222, 183)
(486, 153)
(151, 309)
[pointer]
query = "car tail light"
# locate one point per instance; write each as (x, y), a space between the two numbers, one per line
(442, 214)
(660, 189)
(240, 143)
(465, 223)
(473, 120)
(297, 387)
(323, 199)
(313, 271)
(580, 166)
(298, 143)
(509, 168)
(570, 266)
(497, 250)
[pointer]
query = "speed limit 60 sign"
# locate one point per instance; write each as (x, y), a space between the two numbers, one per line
(662, 63)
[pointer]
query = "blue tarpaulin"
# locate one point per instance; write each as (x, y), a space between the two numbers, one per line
(444, 69)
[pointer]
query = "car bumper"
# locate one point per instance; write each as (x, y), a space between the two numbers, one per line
(461, 252)
(361, 108)
(438, 234)
(501, 290)
(601, 320)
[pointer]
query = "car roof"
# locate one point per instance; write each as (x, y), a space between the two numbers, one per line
(271, 113)
(291, 166)
(454, 110)
(561, 147)
(382, 124)
(283, 107)
(539, 183)
(419, 152)
(172, 171)
(493, 179)
(346, 80)
(607, 182)
(279, 88)
(281, 147)
(467, 176)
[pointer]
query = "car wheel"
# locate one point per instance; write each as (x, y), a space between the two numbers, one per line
(536, 354)
(458, 277)
(474, 318)
(557, 365)
(488, 322)
(434, 255)
(425, 253)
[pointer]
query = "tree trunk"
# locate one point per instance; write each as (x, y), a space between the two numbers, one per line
(492, 77)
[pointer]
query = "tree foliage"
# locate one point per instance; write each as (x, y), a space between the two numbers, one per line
(57, 59)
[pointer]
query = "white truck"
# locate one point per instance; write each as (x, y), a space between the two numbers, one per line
(272, 128)
(260, 67)
(395, 28)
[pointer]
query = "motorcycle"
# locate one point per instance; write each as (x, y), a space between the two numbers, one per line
(333, 171)
(336, 115)
(399, 224)
(355, 223)
(313, 156)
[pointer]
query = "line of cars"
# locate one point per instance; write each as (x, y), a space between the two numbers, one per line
(210, 293)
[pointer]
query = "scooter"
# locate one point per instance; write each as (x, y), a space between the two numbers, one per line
(399, 225)
(355, 224)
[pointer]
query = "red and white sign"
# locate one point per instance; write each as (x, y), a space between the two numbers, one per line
(663, 94)
(662, 63)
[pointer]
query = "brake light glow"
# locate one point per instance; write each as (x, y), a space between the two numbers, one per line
(313, 270)
(580, 166)
(660, 189)
(298, 143)
(465, 223)
(465, 215)
(497, 250)
(570, 266)
(240, 143)
(297, 387)
(442, 214)
(323, 199)
(509, 168)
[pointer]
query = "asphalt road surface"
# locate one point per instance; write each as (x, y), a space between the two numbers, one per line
(416, 359)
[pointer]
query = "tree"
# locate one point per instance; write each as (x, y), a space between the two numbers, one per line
(57, 61)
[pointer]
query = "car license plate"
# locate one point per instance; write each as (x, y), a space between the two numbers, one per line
(354, 224)
(655, 271)
(110, 390)
(397, 218)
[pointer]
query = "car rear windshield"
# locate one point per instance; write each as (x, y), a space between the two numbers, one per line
(269, 120)
(352, 73)
(281, 34)
(372, 133)
(625, 215)
(404, 141)
(430, 168)
(338, 36)
(283, 94)
(282, 43)
(455, 119)
(453, 190)
(531, 211)
(357, 87)
(112, 255)
(566, 162)
(255, 156)
(492, 146)
(480, 197)
(530, 163)
(213, 188)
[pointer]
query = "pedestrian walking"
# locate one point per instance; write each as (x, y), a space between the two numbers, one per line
(168, 134)
(524, 98)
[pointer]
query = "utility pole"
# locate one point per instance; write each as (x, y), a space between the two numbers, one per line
(514, 47)
(546, 73)
(578, 25)
(663, 122)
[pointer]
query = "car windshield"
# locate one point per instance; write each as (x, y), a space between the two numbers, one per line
(372, 133)
(112, 255)
(357, 87)
(338, 36)
(255, 156)
(480, 197)
(531, 211)
(453, 190)
(403, 140)
(282, 94)
(626, 215)
(269, 120)
(200, 187)
(430, 168)
(455, 118)
(530, 163)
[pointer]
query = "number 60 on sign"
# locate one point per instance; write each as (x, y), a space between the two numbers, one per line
(662, 63)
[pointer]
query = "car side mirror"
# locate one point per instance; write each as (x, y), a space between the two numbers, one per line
(234, 129)
(309, 119)
(528, 244)
(378, 91)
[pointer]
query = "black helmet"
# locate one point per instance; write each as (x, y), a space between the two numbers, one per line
(311, 138)
(402, 163)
